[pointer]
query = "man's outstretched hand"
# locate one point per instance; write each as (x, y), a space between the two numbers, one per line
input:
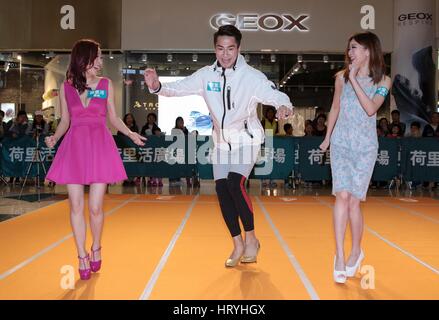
(151, 79)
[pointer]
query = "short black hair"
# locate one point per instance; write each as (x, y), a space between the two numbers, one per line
(396, 111)
(228, 30)
(151, 114)
(270, 108)
(2, 113)
(287, 126)
(21, 113)
(416, 124)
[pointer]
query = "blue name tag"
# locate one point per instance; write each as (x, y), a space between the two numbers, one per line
(101, 94)
(214, 86)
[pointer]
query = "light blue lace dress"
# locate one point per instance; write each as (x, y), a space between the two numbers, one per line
(354, 143)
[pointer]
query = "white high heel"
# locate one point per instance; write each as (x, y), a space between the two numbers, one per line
(339, 276)
(351, 271)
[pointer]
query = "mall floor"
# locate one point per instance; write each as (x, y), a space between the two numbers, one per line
(171, 243)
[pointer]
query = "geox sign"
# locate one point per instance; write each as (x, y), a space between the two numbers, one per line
(265, 22)
(415, 18)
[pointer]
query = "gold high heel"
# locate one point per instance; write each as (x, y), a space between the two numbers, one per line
(251, 259)
(230, 263)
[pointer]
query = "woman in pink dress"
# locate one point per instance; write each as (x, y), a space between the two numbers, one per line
(88, 154)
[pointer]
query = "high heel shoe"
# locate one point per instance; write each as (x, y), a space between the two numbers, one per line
(251, 259)
(85, 274)
(230, 263)
(351, 271)
(339, 276)
(95, 265)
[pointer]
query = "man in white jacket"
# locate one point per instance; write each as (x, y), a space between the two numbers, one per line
(232, 90)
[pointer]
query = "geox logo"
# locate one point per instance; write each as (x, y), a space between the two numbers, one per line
(415, 18)
(255, 22)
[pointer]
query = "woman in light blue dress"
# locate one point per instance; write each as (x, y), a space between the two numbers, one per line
(360, 90)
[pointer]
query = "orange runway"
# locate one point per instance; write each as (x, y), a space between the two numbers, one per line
(174, 247)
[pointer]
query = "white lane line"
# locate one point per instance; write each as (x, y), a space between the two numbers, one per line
(155, 275)
(390, 243)
(410, 211)
(303, 277)
(54, 245)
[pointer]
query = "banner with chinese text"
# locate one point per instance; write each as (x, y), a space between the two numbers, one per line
(420, 159)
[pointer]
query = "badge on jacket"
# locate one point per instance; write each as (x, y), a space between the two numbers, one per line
(214, 86)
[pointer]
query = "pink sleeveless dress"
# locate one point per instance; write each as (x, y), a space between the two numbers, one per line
(88, 153)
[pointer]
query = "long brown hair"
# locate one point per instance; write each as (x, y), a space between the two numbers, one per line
(83, 54)
(377, 65)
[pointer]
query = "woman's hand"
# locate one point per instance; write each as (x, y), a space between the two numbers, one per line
(325, 145)
(283, 112)
(50, 141)
(137, 138)
(353, 71)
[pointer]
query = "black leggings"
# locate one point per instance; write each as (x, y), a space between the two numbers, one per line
(235, 203)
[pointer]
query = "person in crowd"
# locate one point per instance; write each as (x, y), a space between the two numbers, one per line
(320, 128)
(431, 130)
(319, 111)
(415, 130)
(150, 125)
(130, 122)
(53, 123)
(269, 122)
(384, 125)
(380, 132)
(16, 128)
(309, 129)
(395, 131)
(157, 181)
(39, 125)
(179, 129)
(147, 129)
(271, 127)
(396, 120)
(3, 129)
(360, 90)
(88, 154)
(288, 128)
(20, 125)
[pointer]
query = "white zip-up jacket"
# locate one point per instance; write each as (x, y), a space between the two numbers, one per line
(232, 96)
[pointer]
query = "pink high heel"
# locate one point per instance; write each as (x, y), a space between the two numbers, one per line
(95, 265)
(85, 274)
